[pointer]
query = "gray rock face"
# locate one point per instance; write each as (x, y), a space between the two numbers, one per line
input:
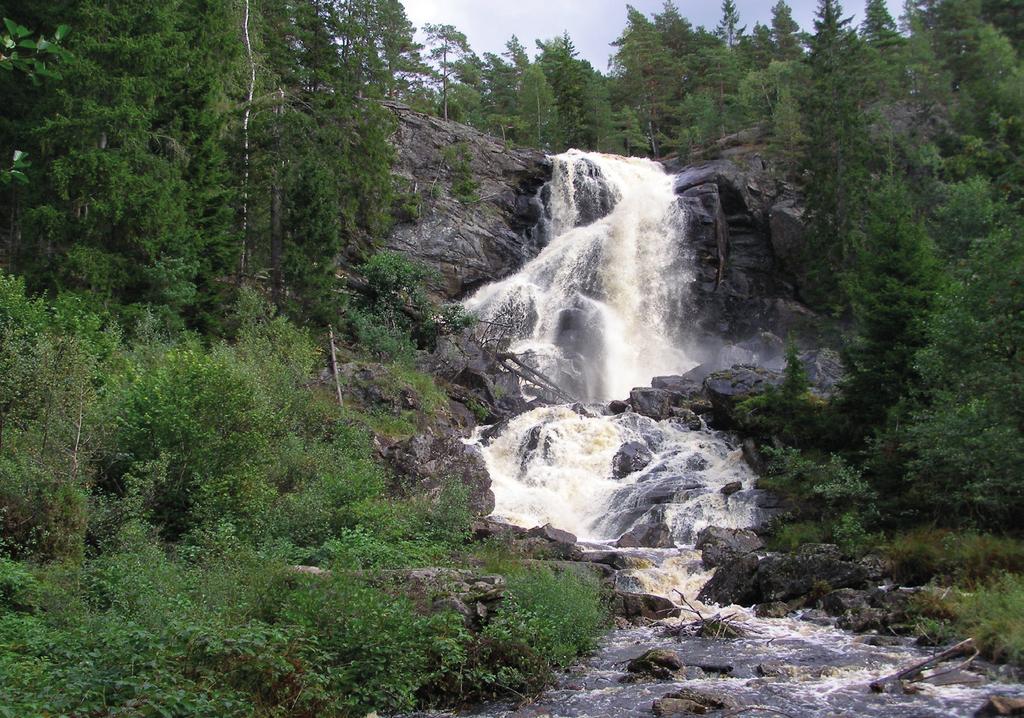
(469, 243)
(430, 461)
(746, 225)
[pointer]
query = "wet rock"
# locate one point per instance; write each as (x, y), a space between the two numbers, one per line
(656, 663)
(813, 567)
(618, 406)
(735, 581)
(732, 487)
(726, 389)
(630, 458)
(550, 533)
(863, 619)
(1002, 706)
(653, 535)
(653, 403)
(689, 702)
(845, 599)
(618, 560)
(753, 456)
(774, 669)
(697, 463)
(817, 617)
(684, 386)
(718, 545)
(644, 605)
(775, 609)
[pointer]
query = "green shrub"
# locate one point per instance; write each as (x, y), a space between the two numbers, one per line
(923, 555)
(994, 616)
(558, 615)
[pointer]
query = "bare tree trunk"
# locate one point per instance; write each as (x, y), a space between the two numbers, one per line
(244, 260)
(276, 209)
(334, 367)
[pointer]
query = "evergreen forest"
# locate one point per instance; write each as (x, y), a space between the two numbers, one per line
(208, 350)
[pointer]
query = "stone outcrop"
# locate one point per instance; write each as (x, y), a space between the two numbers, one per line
(747, 579)
(470, 240)
(747, 227)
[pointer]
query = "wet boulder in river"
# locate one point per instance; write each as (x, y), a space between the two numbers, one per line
(718, 545)
(781, 577)
(630, 458)
(652, 535)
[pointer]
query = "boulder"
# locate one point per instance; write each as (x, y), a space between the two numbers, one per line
(775, 609)
(781, 577)
(685, 386)
(630, 458)
(732, 487)
(735, 581)
(691, 702)
(726, 389)
(654, 403)
(843, 600)
(656, 663)
(1002, 706)
(617, 560)
(488, 527)
(618, 406)
(550, 533)
(643, 605)
(653, 535)
(718, 545)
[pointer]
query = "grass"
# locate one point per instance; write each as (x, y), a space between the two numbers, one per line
(994, 616)
(948, 557)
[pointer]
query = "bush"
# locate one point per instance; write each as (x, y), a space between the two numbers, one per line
(994, 616)
(924, 555)
(557, 615)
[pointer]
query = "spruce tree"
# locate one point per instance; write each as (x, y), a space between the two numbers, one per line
(837, 148)
(729, 29)
(879, 28)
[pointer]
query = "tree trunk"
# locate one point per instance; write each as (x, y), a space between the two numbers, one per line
(276, 224)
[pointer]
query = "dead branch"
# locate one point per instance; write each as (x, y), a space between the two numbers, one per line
(959, 649)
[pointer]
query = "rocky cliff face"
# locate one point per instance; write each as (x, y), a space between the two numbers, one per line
(472, 202)
(746, 226)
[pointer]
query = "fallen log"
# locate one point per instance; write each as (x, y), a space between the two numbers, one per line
(960, 649)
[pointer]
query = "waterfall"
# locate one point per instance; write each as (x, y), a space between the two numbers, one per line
(599, 309)
(603, 309)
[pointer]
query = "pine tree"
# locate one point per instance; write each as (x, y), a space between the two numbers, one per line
(785, 33)
(892, 286)
(447, 47)
(643, 69)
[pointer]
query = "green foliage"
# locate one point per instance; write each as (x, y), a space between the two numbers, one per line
(464, 186)
(788, 412)
(994, 616)
(832, 493)
(970, 559)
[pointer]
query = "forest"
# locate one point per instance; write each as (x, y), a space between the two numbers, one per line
(189, 192)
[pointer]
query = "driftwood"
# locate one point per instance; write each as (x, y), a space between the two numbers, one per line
(527, 373)
(911, 671)
(716, 626)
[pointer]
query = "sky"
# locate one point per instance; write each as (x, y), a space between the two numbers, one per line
(592, 24)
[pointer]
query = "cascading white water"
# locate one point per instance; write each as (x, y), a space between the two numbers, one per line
(599, 307)
(602, 309)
